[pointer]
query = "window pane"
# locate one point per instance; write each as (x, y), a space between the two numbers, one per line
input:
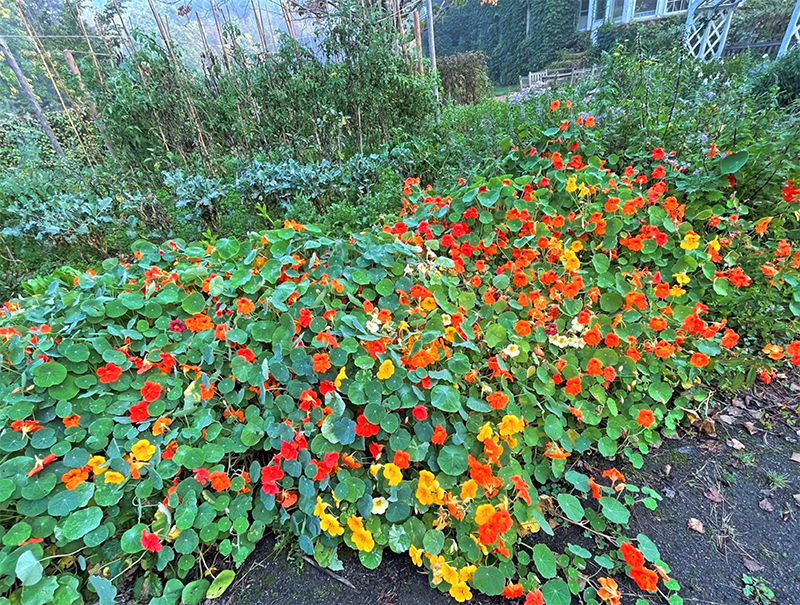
(674, 6)
(618, 7)
(600, 10)
(583, 17)
(645, 8)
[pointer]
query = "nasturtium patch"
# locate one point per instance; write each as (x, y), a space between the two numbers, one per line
(426, 388)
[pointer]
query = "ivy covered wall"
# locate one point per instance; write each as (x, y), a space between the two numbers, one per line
(499, 31)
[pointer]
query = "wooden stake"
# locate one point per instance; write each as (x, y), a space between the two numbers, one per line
(187, 97)
(269, 24)
(41, 53)
(418, 42)
(79, 19)
(26, 90)
(92, 107)
(221, 38)
(259, 26)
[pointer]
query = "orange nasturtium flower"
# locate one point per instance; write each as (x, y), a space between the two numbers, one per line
(73, 478)
(609, 591)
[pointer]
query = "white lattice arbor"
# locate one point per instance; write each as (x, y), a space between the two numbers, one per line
(792, 35)
(707, 26)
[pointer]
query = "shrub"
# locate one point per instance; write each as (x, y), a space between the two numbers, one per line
(465, 77)
(782, 74)
(419, 388)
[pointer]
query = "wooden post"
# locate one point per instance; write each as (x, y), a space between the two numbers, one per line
(418, 42)
(92, 107)
(528, 20)
(26, 90)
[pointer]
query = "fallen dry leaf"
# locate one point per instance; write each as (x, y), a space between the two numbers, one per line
(696, 525)
(751, 428)
(766, 505)
(735, 444)
(727, 418)
(797, 499)
(667, 470)
(752, 565)
(712, 493)
(715, 447)
(795, 457)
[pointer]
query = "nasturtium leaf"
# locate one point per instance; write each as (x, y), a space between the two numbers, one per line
(489, 580)
(610, 302)
(556, 592)
(220, 584)
(81, 522)
(28, 568)
(571, 506)
(614, 510)
(445, 398)
(660, 391)
(194, 303)
(194, 592)
(733, 162)
(105, 590)
(49, 374)
(372, 559)
(545, 560)
(452, 459)
(648, 548)
(433, 541)
(399, 540)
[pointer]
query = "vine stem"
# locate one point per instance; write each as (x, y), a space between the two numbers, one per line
(582, 526)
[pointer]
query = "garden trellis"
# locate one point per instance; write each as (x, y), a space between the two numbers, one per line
(708, 24)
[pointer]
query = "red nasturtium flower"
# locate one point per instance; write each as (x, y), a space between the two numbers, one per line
(109, 373)
(645, 418)
(150, 391)
(645, 579)
(150, 542)
(632, 555)
(139, 412)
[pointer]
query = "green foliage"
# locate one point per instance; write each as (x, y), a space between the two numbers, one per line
(782, 76)
(464, 77)
(353, 95)
(499, 31)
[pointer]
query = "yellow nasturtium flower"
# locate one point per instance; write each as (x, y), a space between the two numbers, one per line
(469, 490)
(361, 537)
(386, 370)
(114, 477)
(691, 241)
(331, 524)
(449, 574)
(511, 425)
(483, 513)
(340, 377)
(571, 184)
(416, 555)
(392, 473)
(485, 432)
(466, 573)
(96, 464)
(428, 303)
(143, 450)
(682, 278)
(428, 490)
(461, 592)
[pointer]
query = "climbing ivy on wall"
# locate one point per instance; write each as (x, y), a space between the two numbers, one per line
(499, 31)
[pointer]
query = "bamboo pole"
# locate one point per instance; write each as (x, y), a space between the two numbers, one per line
(418, 42)
(41, 54)
(221, 38)
(92, 107)
(269, 24)
(259, 26)
(187, 97)
(79, 19)
(26, 90)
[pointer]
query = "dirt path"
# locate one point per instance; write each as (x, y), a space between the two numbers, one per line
(739, 482)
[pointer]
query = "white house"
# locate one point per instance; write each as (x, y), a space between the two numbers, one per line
(593, 13)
